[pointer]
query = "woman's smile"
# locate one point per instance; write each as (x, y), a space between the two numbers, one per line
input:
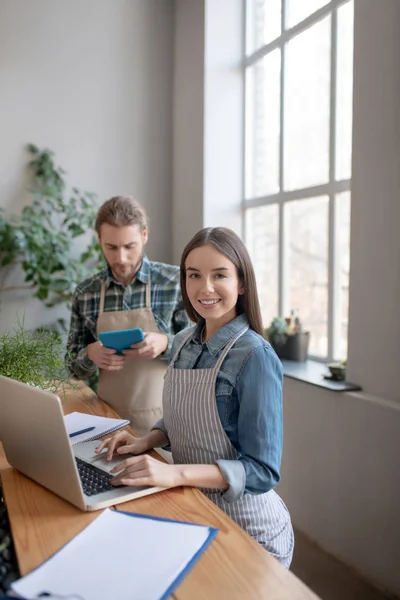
(210, 303)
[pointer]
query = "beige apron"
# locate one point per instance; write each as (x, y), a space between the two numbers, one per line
(135, 392)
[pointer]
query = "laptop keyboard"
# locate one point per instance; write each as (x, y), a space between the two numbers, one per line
(94, 480)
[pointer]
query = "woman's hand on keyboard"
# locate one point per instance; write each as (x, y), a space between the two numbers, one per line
(122, 443)
(146, 470)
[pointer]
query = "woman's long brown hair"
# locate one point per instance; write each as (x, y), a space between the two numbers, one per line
(229, 244)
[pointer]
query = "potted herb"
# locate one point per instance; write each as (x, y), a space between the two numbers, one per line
(288, 339)
(337, 370)
(33, 357)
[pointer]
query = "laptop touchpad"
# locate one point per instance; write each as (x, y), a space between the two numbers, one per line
(86, 451)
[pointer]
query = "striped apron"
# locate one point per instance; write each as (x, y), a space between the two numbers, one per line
(197, 437)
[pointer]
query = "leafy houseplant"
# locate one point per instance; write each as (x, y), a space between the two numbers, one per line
(44, 237)
(35, 358)
(288, 339)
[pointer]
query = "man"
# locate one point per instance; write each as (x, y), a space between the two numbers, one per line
(131, 292)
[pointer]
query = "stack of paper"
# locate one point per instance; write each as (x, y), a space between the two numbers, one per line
(98, 426)
(120, 555)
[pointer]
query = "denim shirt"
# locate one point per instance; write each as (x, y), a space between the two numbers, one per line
(249, 402)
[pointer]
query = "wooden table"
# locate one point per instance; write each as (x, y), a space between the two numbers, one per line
(233, 567)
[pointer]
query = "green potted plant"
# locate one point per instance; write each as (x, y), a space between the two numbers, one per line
(288, 339)
(337, 370)
(33, 357)
(44, 239)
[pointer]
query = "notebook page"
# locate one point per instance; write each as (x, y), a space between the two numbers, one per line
(77, 421)
(129, 557)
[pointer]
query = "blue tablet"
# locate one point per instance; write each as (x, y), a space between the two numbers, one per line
(122, 339)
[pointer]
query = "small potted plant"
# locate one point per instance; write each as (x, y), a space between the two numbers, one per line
(33, 357)
(288, 339)
(337, 370)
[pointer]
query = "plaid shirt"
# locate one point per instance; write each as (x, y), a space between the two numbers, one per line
(166, 304)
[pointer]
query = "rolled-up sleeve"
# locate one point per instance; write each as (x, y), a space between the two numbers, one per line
(259, 394)
(161, 426)
(76, 358)
(234, 474)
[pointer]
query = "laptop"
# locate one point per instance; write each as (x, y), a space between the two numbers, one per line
(36, 442)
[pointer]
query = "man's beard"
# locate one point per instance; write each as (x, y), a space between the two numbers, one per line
(134, 269)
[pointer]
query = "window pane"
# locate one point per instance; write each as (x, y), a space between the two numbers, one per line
(298, 10)
(343, 263)
(262, 243)
(263, 23)
(262, 126)
(307, 103)
(306, 259)
(344, 92)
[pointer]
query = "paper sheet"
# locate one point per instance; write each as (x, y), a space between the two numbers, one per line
(129, 557)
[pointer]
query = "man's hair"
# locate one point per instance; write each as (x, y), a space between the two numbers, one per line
(120, 211)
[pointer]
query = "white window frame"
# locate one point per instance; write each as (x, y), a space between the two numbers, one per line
(330, 189)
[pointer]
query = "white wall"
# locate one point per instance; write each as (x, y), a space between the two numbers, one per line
(188, 123)
(92, 80)
(374, 324)
(208, 118)
(223, 122)
(340, 476)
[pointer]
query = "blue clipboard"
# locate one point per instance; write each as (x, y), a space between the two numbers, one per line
(210, 535)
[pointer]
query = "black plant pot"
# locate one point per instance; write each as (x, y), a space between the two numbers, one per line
(295, 347)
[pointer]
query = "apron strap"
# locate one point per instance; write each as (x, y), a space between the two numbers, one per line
(223, 354)
(227, 348)
(148, 295)
(185, 339)
(102, 294)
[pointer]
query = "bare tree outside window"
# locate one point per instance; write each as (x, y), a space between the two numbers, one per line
(298, 127)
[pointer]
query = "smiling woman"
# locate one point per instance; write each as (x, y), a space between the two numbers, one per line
(222, 398)
(218, 255)
(213, 287)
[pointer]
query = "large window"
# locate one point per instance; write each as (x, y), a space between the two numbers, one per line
(298, 124)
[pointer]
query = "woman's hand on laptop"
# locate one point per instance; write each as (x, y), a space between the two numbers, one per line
(122, 443)
(146, 470)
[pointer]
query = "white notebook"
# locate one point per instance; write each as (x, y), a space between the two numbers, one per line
(79, 422)
(120, 556)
